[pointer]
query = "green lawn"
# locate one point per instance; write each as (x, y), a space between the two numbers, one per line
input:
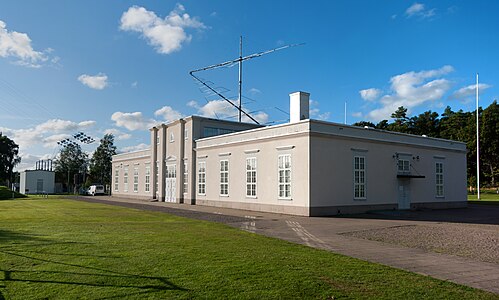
(6, 193)
(487, 199)
(56, 248)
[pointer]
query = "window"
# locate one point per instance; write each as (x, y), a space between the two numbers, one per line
(186, 134)
(439, 179)
(116, 179)
(157, 139)
(125, 179)
(359, 177)
(172, 137)
(186, 178)
(404, 166)
(156, 187)
(284, 167)
(202, 178)
(251, 177)
(213, 131)
(135, 179)
(148, 178)
(224, 178)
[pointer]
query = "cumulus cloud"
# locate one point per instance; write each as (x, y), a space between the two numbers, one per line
(412, 89)
(370, 94)
(96, 82)
(47, 133)
(138, 147)
(315, 112)
(221, 109)
(167, 34)
(18, 46)
(419, 10)
(132, 121)
(467, 91)
(168, 113)
(119, 135)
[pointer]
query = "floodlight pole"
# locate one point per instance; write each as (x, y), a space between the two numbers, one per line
(477, 144)
(240, 74)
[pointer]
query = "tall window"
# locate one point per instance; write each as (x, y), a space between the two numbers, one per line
(224, 178)
(251, 177)
(148, 178)
(116, 179)
(186, 177)
(284, 167)
(172, 137)
(125, 179)
(439, 179)
(156, 186)
(202, 178)
(136, 179)
(359, 177)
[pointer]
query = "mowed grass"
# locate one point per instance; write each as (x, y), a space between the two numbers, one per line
(65, 249)
(485, 198)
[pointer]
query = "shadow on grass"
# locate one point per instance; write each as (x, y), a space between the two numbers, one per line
(12, 236)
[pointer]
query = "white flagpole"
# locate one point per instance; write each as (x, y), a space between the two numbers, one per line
(345, 112)
(477, 144)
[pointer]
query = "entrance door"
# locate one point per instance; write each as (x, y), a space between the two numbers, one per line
(170, 183)
(404, 200)
(39, 185)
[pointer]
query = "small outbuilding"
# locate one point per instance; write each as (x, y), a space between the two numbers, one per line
(37, 182)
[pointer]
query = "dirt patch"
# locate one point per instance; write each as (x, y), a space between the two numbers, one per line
(475, 241)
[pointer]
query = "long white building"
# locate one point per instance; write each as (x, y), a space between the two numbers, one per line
(305, 167)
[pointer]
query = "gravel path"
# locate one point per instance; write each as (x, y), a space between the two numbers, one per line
(477, 241)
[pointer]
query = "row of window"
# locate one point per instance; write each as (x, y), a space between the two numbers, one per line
(284, 177)
(135, 178)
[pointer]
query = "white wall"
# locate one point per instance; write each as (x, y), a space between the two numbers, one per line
(29, 181)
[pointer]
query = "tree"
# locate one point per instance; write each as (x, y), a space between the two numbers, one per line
(9, 158)
(402, 123)
(72, 160)
(364, 124)
(489, 143)
(100, 164)
(426, 123)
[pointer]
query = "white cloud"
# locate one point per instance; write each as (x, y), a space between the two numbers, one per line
(96, 82)
(132, 121)
(412, 89)
(315, 112)
(134, 84)
(168, 113)
(370, 94)
(18, 45)
(138, 147)
(254, 91)
(165, 35)
(419, 10)
(357, 114)
(468, 91)
(221, 109)
(119, 135)
(47, 133)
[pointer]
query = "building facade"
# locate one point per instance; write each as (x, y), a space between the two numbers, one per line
(305, 167)
(37, 182)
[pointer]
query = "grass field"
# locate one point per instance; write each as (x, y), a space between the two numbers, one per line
(56, 248)
(487, 199)
(6, 193)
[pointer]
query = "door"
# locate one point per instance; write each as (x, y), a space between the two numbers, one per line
(404, 199)
(170, 183)
(39, 185)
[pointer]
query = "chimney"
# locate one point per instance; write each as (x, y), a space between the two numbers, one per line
(298, 106)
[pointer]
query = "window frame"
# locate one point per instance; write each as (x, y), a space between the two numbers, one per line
(282, 168)
(224, 178)
(360, 173)
(250, 185)
(136, 179)
(439, 180)
(116, 179)
(125, 179)
(185, 187)
(202, 178)
(147, 178)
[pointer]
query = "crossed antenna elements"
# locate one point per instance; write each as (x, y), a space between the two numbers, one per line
(230, 63)
(77, 137)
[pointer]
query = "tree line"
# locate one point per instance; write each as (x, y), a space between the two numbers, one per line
(458, 126)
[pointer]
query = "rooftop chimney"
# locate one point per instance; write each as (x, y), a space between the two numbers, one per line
(298, 106)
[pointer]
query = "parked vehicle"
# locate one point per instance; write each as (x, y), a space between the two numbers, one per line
(95, 190)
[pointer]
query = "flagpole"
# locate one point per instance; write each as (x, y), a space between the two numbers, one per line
(477, 144)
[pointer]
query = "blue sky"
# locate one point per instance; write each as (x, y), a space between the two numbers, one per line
(121, 66)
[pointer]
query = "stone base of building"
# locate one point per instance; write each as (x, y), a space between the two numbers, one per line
(128, 196)
(262, 207)
(439, 205)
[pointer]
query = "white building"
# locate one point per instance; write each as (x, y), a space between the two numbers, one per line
(305, 167)
(37, 181)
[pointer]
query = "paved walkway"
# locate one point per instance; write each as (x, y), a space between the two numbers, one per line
(325, 233)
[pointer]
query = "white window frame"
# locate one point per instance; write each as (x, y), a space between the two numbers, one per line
(157, 139)
(116, 179)
(186, 178)
(172, 137)
(147, 187)
(156, 183)
(403, 166)
(186, 134)
(224, 178)
(136, 179)
(359, 178)
(439, 179)
(284, 173)
(125, 179)
(251, 177)
(202, 178)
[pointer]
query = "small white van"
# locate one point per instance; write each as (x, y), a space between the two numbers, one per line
(95, 190)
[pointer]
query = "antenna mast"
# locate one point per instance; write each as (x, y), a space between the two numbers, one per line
(239, 61)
